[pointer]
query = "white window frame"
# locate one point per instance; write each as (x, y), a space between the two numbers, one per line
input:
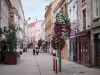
(94, 10)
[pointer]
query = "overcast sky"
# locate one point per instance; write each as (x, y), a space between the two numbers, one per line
(35, 9)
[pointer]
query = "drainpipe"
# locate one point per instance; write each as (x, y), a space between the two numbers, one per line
(91, 39)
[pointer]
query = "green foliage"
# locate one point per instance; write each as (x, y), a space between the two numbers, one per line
(39, 43)
(11, 38)
(62, 18)
(57, 44)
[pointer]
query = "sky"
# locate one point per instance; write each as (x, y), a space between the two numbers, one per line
(34, 9)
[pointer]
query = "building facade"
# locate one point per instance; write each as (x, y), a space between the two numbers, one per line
(48, 22)
(21, 20)
(48, 25)
(31, 34)
(43, 30)
(72, 13)
(84, 55)
(95, 33)
(34, 32)
(5, 5)
(4, 13)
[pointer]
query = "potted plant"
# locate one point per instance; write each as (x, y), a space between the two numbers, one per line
(11, 41)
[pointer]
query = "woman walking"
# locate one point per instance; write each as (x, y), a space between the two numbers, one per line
(37, 51)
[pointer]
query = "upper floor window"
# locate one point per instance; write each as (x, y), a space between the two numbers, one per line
(62, 9)
(84, 19)
(83, 1)
(69, 13)
(95, 8)
(65, 8)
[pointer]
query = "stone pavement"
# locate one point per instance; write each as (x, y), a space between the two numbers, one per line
(42, 65)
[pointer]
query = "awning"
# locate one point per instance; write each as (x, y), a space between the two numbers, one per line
(83, 33)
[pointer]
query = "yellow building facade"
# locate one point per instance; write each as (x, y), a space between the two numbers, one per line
(50, 11)
(48, 22)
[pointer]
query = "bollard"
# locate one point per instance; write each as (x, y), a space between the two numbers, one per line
(53, 63)
(56, 65)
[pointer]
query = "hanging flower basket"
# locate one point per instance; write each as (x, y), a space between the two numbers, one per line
(62, 31)
(55, 43)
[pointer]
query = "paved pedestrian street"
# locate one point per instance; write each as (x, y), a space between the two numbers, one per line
(42, 65)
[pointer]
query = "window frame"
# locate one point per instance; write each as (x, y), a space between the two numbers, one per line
(95, 12)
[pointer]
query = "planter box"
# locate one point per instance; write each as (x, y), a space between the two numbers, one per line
(10, 59)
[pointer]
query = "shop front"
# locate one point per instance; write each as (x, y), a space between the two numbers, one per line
(97, 49)
(73, 49)
(83, 48)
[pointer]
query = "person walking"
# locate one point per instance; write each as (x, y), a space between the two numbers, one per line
(34, 51)
(37, 51)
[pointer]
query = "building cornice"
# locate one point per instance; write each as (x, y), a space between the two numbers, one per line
(61, 2)
(48, 10)
(59, 5)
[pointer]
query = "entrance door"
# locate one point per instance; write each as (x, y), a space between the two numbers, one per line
(97, 47)
(84, 51)
(73, 49)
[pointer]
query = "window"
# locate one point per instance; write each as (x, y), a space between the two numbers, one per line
(65, 8)
(95, 8)
(84, 19)
(74, 13)
(62, 9)
(83, 1)
(69, 13)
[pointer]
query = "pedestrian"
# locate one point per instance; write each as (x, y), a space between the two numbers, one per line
(33, 51)
(37, 51)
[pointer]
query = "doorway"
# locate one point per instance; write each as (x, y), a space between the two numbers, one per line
(97, 49)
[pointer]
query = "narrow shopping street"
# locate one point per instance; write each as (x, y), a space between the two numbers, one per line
(42, 65)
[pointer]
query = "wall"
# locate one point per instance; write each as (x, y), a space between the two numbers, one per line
(95, 28)
(73, 14)
(82, 6)
(48, 20)
(18, 5)
(38, 30)
(43, 30)
(4, 14)
(34, 31)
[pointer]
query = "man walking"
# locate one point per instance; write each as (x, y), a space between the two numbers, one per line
(34, 51)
